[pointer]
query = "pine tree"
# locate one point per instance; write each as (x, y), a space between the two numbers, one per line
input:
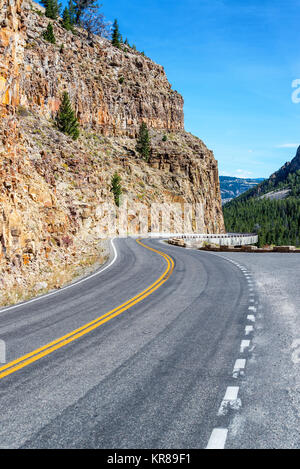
(116, 36)
(48, 35)
(66, 120)
(72, 12)
(52, 8)
(66, 22)
(116, 188)
(144, 143)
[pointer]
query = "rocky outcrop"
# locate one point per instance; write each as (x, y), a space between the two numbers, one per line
(52, 188)
(276, 187)
(111, 89)
(12, 54)
(288, 168)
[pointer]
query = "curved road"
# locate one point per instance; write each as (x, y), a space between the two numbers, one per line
(151, 376)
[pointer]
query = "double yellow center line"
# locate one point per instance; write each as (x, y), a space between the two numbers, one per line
(41, 352)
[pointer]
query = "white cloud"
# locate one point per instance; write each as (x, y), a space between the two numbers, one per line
(288, 145)
(239, 173)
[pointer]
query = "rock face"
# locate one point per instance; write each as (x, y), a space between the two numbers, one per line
(11, 53)
(52, 188)
(111, 90)
(276, 187)
(288, 168)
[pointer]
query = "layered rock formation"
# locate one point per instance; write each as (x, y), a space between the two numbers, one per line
(111, 89)
(52, 188)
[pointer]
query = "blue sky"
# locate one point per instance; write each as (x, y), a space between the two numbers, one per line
(234, 62)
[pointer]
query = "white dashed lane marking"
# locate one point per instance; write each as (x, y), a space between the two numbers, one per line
(218, 438)
(251, 318)
(231, 393)
(244, 345)
(231, 401)
(239, 366)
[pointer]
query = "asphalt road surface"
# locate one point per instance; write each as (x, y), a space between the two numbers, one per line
(270, 391)
(170, 368)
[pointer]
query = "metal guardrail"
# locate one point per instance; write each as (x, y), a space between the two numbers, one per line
(229, 239)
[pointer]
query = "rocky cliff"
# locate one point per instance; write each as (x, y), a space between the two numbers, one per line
(277, 186)
(51, 188)
(288, 168)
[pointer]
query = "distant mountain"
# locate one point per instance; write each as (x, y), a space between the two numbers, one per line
(232, 187)
(281, 179)
(272, 208)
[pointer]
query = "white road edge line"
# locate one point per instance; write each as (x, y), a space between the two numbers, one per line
(248, 329)
(68, 286)
(217, 439)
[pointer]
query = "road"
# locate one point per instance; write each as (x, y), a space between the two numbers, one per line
(151, 374)
(270, 412)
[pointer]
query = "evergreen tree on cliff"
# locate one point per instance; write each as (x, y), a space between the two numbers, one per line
(72, 12)
(143, 143)
(67, 22)
(52, 8)
(116, 36)
(66, 120)
(48, 35)
(116, 188)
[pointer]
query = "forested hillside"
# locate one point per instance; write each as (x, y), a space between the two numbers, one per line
(276, 221)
